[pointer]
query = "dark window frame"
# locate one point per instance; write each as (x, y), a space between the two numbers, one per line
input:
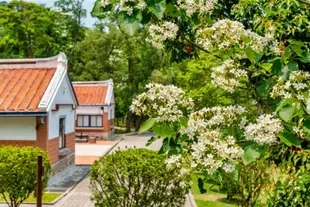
(62, 128)
(89, 121)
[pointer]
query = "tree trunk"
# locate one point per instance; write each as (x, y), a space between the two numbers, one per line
(138, 123)
(229, 197)
(128, 122)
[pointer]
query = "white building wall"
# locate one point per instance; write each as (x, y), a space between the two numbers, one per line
(18, 128)
(63, 96)
(85, 110)
(111, 112)
(64, 112)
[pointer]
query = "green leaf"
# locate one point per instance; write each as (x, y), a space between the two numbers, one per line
(286, 113)
(253, 56)
(297, 49)
(172, 10)
(151, 140)
(147, 125)
(305, 58)
(276, 67)
(295, 42)
(201, 186)
(263, 87)
(129, 24)
(97, 9)
(252, 152)
(283, 103)
(286, 71)
(158, 9)
(267, 66)
(289, 139)
(163, 130)
(184, 121)
(287, 53)
(307, 125)
(165, 146)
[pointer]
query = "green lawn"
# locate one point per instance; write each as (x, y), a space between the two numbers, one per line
(213, 198)
(46, 198)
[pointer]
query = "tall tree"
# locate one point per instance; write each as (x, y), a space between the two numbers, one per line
(31, 30)
(75, 11)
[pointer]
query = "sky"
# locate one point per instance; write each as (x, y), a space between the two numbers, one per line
(88, 5)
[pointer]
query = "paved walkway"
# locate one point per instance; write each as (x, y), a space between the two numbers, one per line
(86, 153)
(80, 195)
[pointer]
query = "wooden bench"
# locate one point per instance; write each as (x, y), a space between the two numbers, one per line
(81, 137)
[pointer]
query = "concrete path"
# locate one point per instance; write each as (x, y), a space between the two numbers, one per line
(80, 195)
(86, 153)
(67, 178)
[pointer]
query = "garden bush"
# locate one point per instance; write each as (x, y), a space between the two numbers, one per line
(139, 178)
(18, 173)
(293, 192)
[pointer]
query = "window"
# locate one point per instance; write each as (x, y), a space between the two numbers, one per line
(62, 137)
(89, 120)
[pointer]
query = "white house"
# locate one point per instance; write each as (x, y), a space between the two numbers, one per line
(37, 107)
(96, 110)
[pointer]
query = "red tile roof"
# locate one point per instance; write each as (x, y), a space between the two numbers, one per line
(91, 94)
(21, 89)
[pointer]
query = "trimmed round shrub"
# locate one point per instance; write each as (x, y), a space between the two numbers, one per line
(18, 172)
(137, 178)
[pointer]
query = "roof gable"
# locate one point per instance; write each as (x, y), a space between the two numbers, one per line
(65, 94)
(94, 93)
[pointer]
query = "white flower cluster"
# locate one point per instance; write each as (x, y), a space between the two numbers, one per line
(226, 34)
(127, 5)
(228, 76)
(159, 33)
(212, 151)
(213, 118)
(201, 6)
(297, 86)
(167, 103)
(173, 160)
(308, 105)
(265, 131)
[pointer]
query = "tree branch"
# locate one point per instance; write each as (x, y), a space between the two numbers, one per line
(304, 2)
(194, 44)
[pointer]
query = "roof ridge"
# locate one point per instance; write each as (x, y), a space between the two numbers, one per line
(29, 63)
(92, 83)
(27, 60)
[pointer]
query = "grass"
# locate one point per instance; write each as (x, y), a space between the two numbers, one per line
(213, 197)
(46, 198)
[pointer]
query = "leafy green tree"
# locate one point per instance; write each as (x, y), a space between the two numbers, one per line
(106, 53)
(193, 76)
(18, 177)
(262, 49)
(74, 14)
(137, 177)
(31, 30)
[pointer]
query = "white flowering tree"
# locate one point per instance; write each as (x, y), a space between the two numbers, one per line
(264, 50)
